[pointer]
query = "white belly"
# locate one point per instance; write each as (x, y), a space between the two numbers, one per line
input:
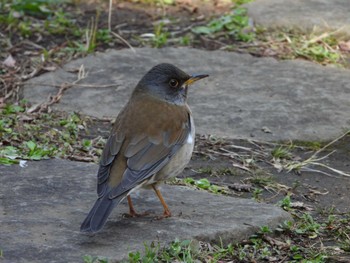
(179, 161)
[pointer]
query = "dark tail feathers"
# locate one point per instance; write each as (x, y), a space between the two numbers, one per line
(98, 215)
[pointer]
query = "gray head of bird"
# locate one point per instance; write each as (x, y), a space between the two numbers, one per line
(167, 82)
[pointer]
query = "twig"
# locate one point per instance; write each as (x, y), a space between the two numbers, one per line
(110, 15)
(314, 160)
(307, 169)
(73, 84)
(332, 142)
(322, 36)
(56, 98)
(123, 40)
(113, 33)
(330, 168)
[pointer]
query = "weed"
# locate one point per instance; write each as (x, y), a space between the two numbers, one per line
(160, 37)
(312, 145)
(257, 194)
(104, 36)
(286, 203)
(150, 254)
(185, 40)
(265, 230)
(91, 259)
(44, 136)
(241, 2)
(183, 251)
(263, 246)
(281, 152)
(235, 24)
(320, 48)
(205, 185)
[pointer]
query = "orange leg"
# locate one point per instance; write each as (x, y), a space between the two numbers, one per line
(132, 212)
(167, 212)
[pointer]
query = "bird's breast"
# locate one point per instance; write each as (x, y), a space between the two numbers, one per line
(178, 161)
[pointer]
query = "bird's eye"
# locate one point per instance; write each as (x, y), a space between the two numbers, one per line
(173, 83)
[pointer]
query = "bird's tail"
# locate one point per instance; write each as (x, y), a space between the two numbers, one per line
(99, 213)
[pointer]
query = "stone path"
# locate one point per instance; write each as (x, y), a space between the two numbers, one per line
(244, 97)
(42, 205)
(308, 15)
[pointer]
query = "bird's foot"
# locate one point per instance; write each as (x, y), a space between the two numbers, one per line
(166, 214)
(134, 214)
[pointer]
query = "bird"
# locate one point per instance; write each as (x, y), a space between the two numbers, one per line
(152, 139)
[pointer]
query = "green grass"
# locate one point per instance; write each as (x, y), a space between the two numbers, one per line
(160, 37)
(321, 48)
(235, 25)
(290, 242)
(91, 259)
(36, 137)
(203, 184)
(281, 152)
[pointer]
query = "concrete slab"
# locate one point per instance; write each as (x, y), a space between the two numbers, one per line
(41, 211)
(244, 96)
(307, 15)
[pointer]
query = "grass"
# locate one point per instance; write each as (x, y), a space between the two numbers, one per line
(291, 242)
(322, 48)
(34, 137)
(91, 259)
(203, 184)
(235, 25)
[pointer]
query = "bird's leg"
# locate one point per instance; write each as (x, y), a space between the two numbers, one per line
(132, 212)
(167, 212)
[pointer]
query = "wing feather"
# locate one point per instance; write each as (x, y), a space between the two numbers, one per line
(134, 155)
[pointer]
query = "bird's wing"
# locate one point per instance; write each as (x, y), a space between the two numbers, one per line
(129, 160)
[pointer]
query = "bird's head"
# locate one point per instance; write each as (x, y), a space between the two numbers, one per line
(167, 82)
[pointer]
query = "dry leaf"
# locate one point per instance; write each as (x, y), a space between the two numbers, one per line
(266, 129)
(300, 205)
(50, 68)
(318, 192)
(344, 46)
(9, 62)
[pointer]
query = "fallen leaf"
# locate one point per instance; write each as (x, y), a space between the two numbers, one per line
(266, 130)
(344, 46)
(23, 163)
(49, 68)
(9, 62)
(300, 205)
(318, 192)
